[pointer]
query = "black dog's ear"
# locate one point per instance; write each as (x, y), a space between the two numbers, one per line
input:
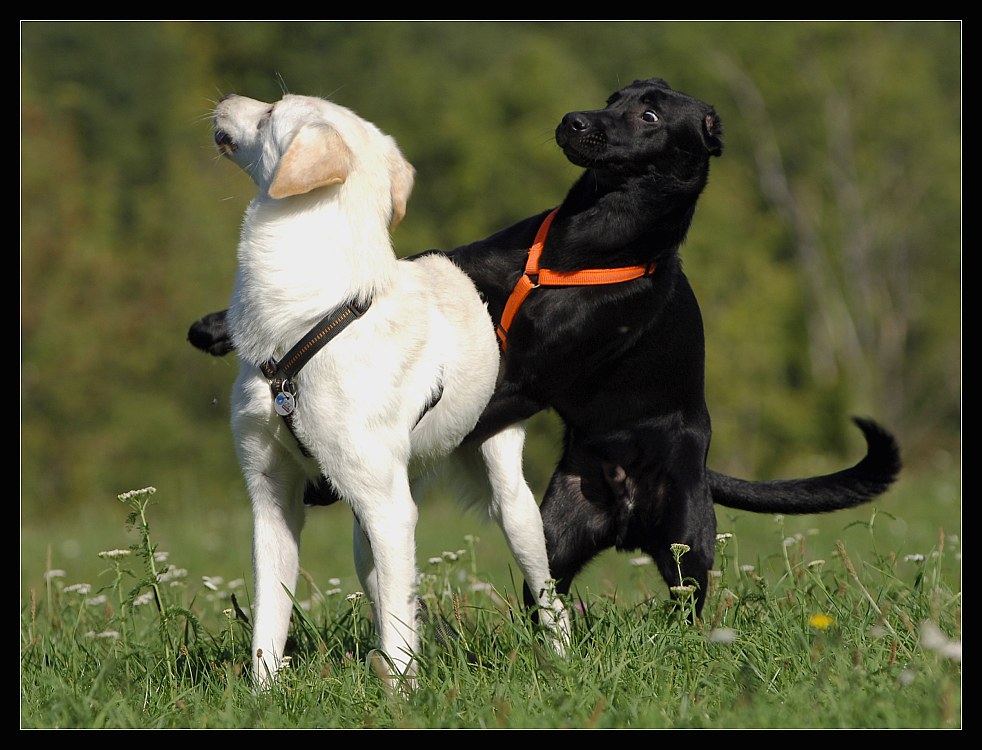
(712, 132)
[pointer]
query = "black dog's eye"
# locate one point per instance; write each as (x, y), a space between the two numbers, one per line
(649, 116)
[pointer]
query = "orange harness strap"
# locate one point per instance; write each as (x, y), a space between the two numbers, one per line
(545, 277)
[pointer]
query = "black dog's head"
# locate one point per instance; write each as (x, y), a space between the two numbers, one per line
(645, 127)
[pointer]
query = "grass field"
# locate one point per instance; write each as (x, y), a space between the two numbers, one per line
(851, 620)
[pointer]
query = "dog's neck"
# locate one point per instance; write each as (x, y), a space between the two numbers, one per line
(632, 225)
(297, 259)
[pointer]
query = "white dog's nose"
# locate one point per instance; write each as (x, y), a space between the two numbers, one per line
(224, 142)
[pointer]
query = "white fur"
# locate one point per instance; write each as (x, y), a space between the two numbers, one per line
(317, 234)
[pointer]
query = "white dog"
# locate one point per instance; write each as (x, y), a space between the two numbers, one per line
(352, 363)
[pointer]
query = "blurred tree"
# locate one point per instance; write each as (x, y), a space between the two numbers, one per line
(867, 202)
(826, 250)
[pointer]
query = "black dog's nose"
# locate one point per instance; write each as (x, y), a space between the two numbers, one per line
(576, 121)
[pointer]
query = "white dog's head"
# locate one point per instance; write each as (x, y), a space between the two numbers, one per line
(304, 143)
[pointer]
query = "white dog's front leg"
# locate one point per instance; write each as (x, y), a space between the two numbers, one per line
(514, 508)
(278, 517)
(386, 527)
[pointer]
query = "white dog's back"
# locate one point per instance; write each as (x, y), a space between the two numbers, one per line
(415, 371)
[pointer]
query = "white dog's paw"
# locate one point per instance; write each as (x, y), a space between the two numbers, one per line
(555, 619)
(265, 669)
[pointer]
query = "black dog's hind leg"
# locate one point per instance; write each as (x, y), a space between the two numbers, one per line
(593, 504)
(691, 523)
(320, 492)
(579, 520)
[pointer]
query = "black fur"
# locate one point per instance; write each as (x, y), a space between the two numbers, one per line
(623, 365)
(210, 334)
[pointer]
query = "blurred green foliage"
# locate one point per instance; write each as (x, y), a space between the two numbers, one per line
(826, 251)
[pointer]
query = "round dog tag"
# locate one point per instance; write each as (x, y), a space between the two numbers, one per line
(284, 403)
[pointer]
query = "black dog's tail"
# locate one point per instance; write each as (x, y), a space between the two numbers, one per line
(844, 489)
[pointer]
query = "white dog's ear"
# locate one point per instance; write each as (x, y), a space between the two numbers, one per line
(317, 156)
(402, 176)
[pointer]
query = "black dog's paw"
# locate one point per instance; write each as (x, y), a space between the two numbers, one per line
(210, 334)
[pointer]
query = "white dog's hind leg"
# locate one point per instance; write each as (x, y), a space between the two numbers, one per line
(514, 508)
(278, 517)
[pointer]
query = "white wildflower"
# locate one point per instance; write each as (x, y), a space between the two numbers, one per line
(135, 493)
(114, 554)
(56, 573)
(171, 573)
(641, 560)
(78, 588)
(722, 635)
(934, 640)
(142, 599)
(682, 589)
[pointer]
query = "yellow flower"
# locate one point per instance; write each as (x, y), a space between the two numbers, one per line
(820, 621)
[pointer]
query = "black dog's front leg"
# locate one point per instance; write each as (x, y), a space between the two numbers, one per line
(508, 405)
(210, 334)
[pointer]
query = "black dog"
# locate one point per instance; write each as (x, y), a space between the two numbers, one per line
(620, 354)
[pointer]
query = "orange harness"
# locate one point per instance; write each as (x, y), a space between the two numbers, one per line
(545, 277)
